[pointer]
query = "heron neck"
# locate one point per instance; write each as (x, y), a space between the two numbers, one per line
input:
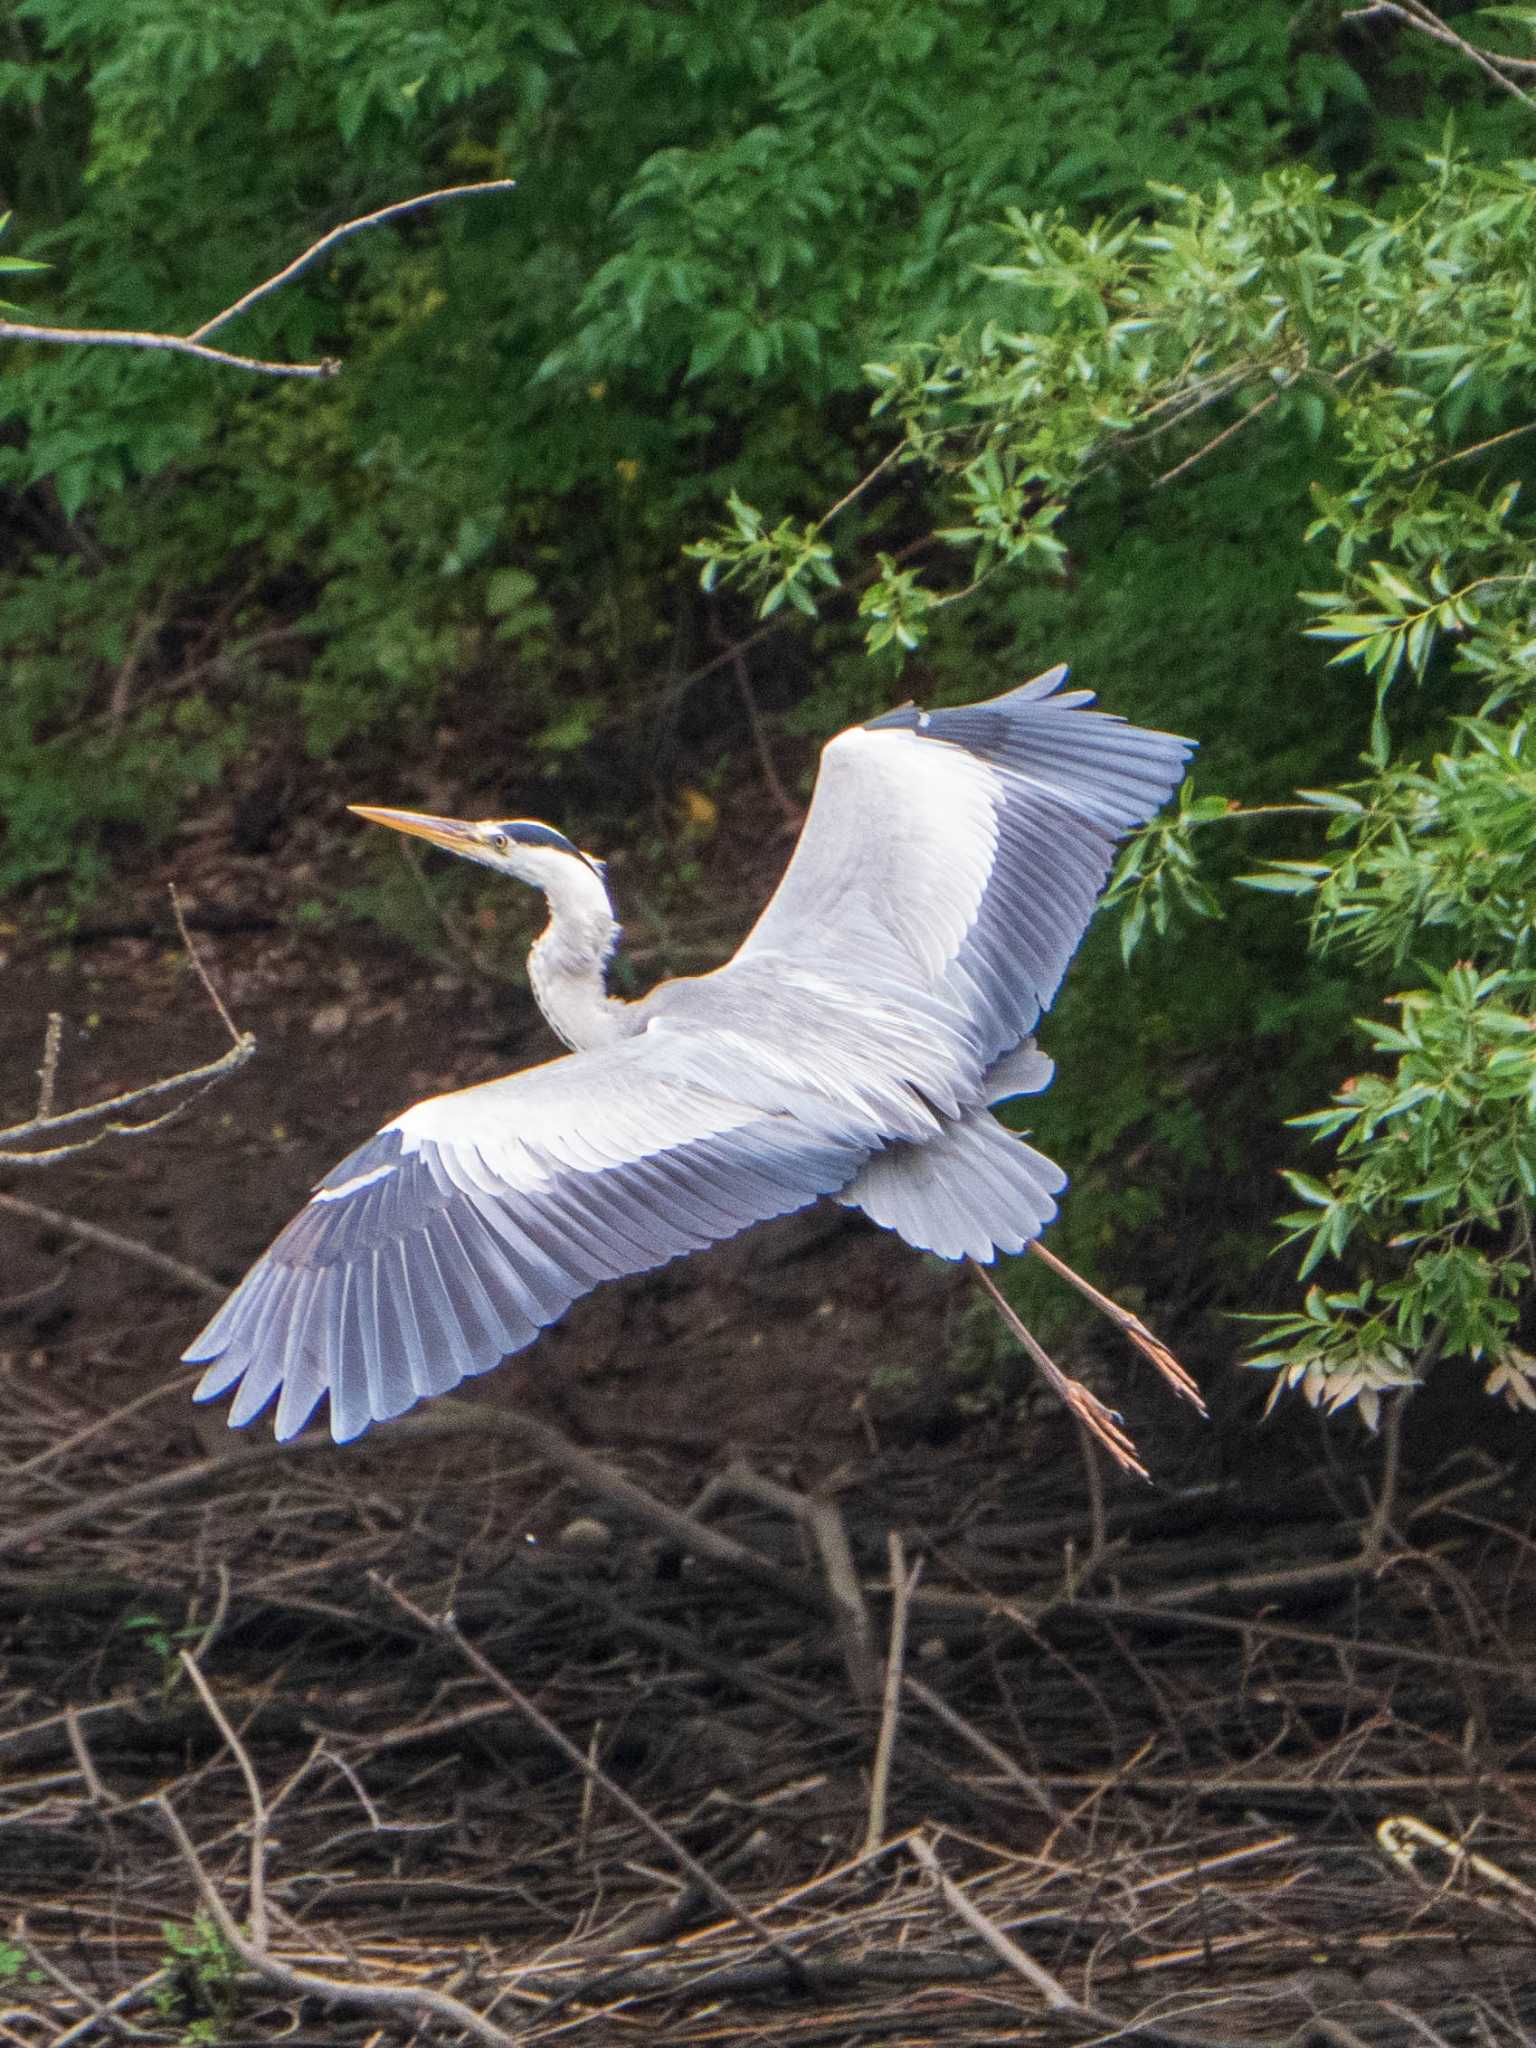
(568, 965)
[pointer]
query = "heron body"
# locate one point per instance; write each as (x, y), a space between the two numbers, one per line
(853, 1047)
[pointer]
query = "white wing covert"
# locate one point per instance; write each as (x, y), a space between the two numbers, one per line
(473, 1221)
(960, 853)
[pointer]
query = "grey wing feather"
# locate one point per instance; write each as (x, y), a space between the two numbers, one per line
(472, 1222)
(962, 852)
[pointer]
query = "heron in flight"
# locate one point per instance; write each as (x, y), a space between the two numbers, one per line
(853, 1047)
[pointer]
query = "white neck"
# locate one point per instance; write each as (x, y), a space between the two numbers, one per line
(567, 967)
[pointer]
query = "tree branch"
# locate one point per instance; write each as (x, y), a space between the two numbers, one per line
(1428, 23)
(194, 344)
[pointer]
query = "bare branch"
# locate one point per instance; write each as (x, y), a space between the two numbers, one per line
(819, 1517)
(194, 344)
(1216, 440)
(412, 2002)
(328, 241)
(447, 1629)
(903, 1585)
(1493, 63)
(237, 1037)
(259, 1820)
(215, 1070)
(1003, 1946)
(165, 344)
(110, 1240)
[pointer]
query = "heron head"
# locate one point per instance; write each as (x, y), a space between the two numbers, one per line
(521, 847)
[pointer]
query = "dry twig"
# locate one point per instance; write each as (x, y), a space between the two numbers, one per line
(447, 1629)
(410, 2002)
(113, 1240)
(1007, 1951)
(818, 1515)
(903, 1585)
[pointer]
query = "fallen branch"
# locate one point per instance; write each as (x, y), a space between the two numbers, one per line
(818, 1516)
(114, 1241)
(395, 2001)
(1007, 1951)
(446, 1629)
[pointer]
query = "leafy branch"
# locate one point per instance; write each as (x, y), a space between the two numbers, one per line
(1140, 348)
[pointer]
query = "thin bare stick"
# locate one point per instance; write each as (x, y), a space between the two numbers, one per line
(165, 344)
(110, 2012)
(984, 1746)
(114, 1418)
(195, 343)
(448, 1631)
(1216, 440)
(413, 2002)
(1493, 441)
(237, 1036)
(694, 1537)
(1378, 1525)
(793, 813)
(1007, 1951)
(1129, 1325)
(822, 1522)
(891, 455)
(902, 1589)
(237, 1749)
(48, 1072)
(445, 1419)
(85, 1762)
(1074, 1396)
(329, 240)
(220, 1614)
(46, 1967)
(113, 1241)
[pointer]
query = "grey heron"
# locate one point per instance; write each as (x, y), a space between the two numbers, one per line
(852, 1047)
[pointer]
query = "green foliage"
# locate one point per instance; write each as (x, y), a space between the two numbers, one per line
(13, 266)
(716, 224)
(199, 1982)
(163, 1642)
(15, 1968)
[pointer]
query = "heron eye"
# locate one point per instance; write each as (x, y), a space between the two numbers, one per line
(500, 841)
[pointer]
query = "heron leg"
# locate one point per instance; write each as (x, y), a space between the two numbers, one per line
(1130, 1325)
(1101, 1423)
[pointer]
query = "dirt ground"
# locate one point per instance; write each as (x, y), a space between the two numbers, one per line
(942, 1754)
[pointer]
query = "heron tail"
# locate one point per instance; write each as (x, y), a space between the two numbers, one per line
(975, 1190)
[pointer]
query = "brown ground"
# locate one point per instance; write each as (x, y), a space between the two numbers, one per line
(1160, 1782)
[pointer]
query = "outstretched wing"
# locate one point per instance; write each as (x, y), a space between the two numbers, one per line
(474, 1220)
(960, 853)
